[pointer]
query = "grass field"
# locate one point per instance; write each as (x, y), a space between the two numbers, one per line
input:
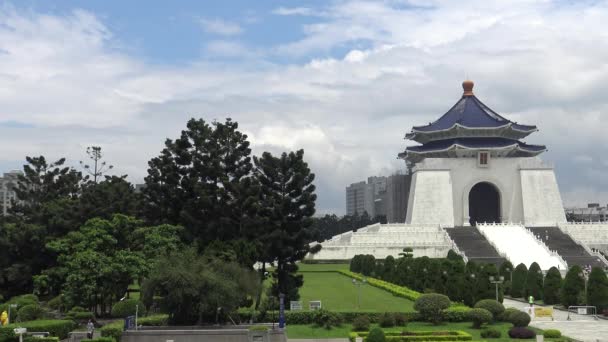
(337, 292)
(308, 331)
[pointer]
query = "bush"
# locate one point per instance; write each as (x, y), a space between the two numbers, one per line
(102, 339)
(30, 312)
(57, 328)
(552, 333)
(396, 290)
(519, 319)
(40, 339)
(400, 319)
(361, 323)
(506, 315)
(480, 316)
(522, 333)
(126, 308)
(56, 303)
(431, 306)
(490, 333)
(387, 320)
(495, 308)
(154, 320)
(325, 319)
(112, 330)
(456, 313)
(376, 335)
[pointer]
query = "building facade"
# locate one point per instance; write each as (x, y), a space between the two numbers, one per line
(8, 183)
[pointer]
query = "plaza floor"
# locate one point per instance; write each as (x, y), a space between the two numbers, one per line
(580, 327)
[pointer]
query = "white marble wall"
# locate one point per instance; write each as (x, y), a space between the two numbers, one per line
(431, 200)
(542, 202)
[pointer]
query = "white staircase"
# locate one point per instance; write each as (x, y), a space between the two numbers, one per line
(519, 245)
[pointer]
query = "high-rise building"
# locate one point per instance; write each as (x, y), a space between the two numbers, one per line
(8, 183)
(397, 193)
(359, 199)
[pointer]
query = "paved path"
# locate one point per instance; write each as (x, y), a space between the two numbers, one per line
(580, 327)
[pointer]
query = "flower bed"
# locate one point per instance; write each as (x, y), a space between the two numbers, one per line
(405, 336)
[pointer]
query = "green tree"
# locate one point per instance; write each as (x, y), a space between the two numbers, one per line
(597, 289)
(388, 268)
(573, 286)
(505, 270)
(518, 288)
(48, 195)
(99, 167)
(113, 195)
(22, 256)
(485, 289)
(287, 204)
(534, 281)
(202, 181)
(469, 293)
(455, 286)
(197, 291)
(552, 286)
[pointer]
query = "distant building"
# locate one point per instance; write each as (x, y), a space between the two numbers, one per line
(397, 194)
(140, 187)
(379, 196)
(8, 183)
(592, 213)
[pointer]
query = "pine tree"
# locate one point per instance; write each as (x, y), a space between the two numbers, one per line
(573, 286)
(597, 289)
(506, 270)
(469, 293)
(552, 286)
(534, 281)
(202, 181)
(455, 281)
(485, 289)
(288, 204)
(518, 288)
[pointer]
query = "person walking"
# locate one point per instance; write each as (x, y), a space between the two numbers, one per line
(90, 329)
(531, 301)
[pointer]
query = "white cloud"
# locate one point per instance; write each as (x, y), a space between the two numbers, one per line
(305, 11)
(220, 26)
(63, 77)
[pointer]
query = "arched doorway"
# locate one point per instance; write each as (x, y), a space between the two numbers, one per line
(484, 203)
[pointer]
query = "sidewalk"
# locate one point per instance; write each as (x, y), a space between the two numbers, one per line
(580, 327)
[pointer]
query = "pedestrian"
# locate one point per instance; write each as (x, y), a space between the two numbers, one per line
(90, 329)
(531, 301)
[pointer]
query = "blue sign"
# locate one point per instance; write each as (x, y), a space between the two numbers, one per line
(281, 311)
(129, 322)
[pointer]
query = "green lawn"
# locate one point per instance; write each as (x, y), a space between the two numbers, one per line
(337, 293)
(321, 267)
(308, 331)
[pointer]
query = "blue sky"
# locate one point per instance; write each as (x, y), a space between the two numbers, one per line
(343, 79)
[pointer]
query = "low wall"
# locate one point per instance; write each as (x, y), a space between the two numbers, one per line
(207, 335)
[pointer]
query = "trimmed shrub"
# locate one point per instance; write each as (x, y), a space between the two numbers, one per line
(521, 333)
(112, 330)
(597, 289)
(456, 313)
(480, 316)
(361, 323)
(494, 307)
(325, 319)
(490, 333)
(40, 339)
(431, 306)
(126, 308)
(519, 319)
(573, 287)
(154, 320)
(30, 312)
(396, 290)
(552, 333)
(387, 320)
(57, 328)
(376, 335)
(400, 319)
(56, 303)
(506, 315)
(102, 339)
(552, 286)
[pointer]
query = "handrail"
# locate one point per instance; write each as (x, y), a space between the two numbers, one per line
(587, 249)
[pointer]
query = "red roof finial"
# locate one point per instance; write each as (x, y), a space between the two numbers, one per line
(467, 86)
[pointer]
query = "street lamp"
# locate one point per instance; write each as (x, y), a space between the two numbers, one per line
(9, 311)
(500, 280)
(511, 272)
(585, 277)
(359, 283)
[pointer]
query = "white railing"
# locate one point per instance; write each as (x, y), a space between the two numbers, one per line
(584, 245)
(544, 245)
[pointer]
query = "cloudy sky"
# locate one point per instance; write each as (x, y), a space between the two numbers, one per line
(345, 80)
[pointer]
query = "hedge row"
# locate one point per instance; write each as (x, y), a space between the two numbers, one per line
(114, 329)
(57, 328)
(406, 336)
(399, 291)
(40, 339)
(452, 314)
